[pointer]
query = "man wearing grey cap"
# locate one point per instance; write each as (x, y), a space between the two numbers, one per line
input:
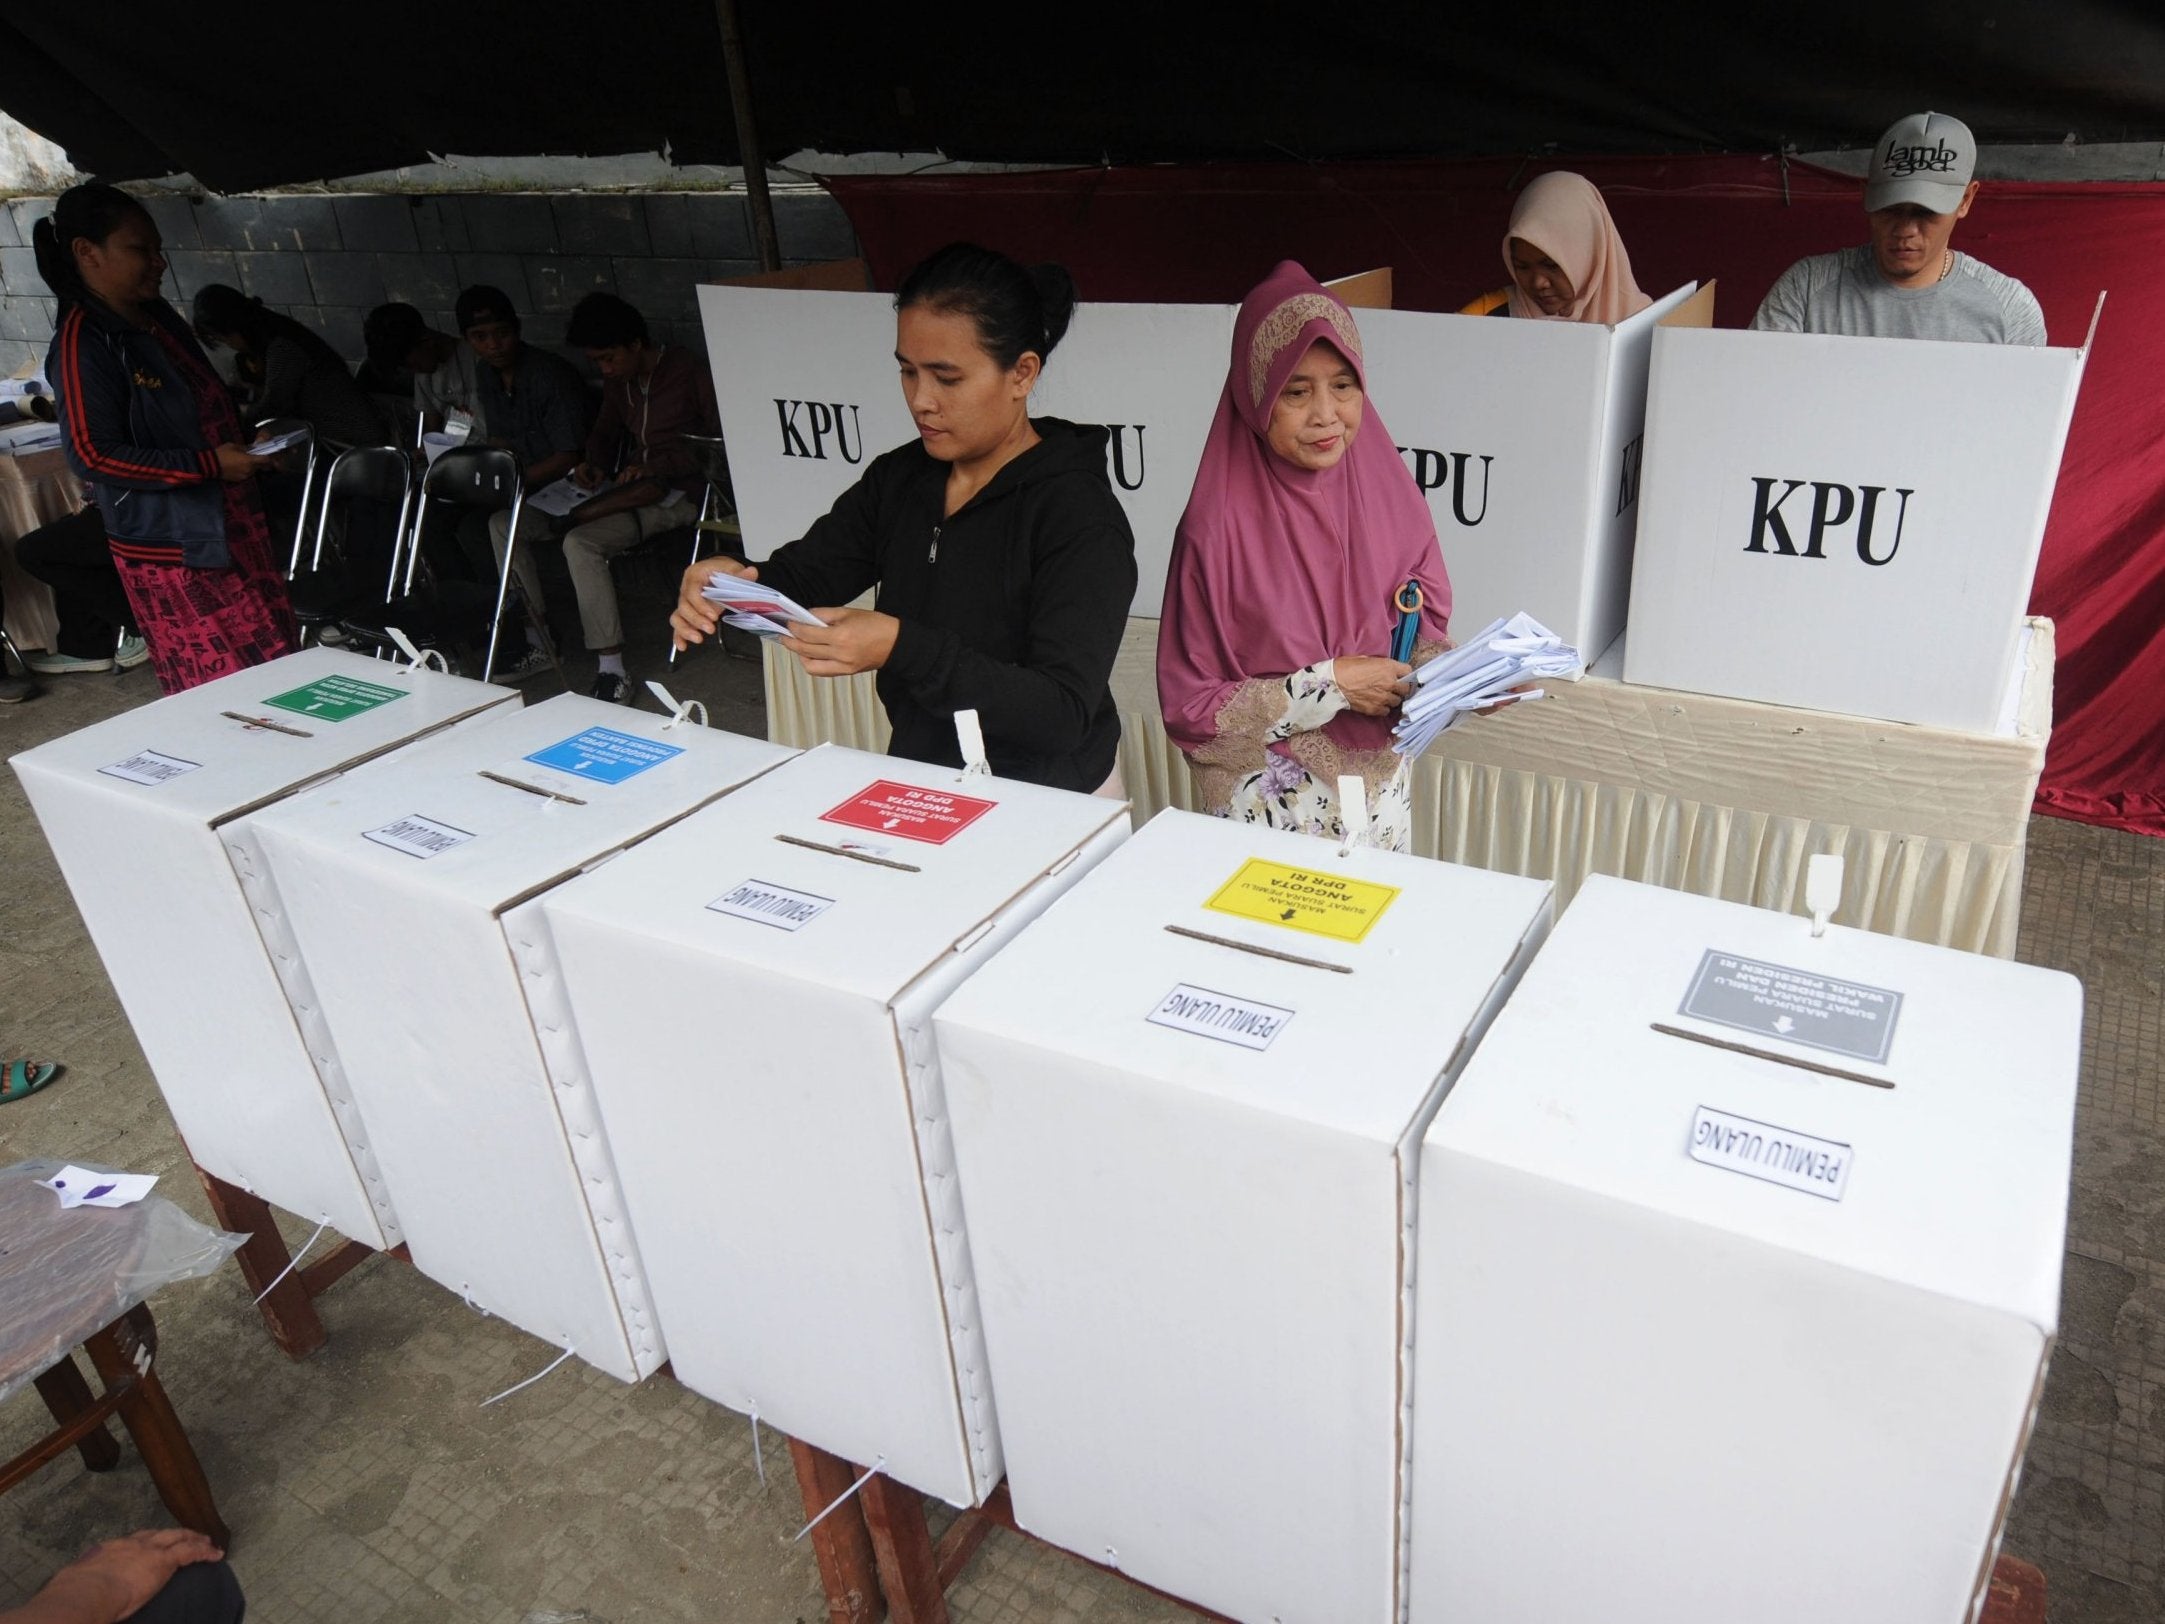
(1908, 282)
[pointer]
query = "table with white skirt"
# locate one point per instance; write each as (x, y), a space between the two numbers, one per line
(1719, 797)
(35, 489)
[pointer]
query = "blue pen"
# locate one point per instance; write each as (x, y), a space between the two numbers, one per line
(1408, 601)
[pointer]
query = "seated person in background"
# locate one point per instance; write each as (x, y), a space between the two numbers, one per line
(446, 377)
(301, 375)
(1908, 282)
(1274, 650)
(532, 404)
(160, 1576)
(96, 633)
(651, 396)
(1566, 261)
(1002, 557)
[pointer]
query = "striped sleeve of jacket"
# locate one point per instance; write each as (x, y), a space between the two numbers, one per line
(93, 396)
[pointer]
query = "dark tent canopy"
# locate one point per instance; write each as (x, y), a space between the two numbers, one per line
(303, 93)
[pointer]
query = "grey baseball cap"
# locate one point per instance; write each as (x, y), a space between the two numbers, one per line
(1926, 159)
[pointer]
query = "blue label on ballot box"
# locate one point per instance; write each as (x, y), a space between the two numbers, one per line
(601, 755)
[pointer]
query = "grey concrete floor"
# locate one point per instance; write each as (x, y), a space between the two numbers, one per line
(367, 1484)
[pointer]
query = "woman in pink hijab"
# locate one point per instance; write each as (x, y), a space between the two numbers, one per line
(1566, 261)
(1274, 667)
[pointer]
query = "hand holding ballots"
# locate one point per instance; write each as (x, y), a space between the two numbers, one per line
(750, 607)
(1482, 672)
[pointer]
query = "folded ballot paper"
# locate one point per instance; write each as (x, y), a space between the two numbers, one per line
(750, 607)
(1482, 671)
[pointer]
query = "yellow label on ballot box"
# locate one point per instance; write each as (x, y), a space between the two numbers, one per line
(1303, 899)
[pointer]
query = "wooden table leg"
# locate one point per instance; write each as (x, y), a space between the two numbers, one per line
(902, 1547)
(118, 1354)
(67, 1396)
(287, 1313)
(842, 1544)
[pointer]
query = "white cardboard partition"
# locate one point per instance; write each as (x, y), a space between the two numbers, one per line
(755, 987)
(1187, 1104)
(809, 396)
(410, 890)
(1690, 1307)
(133, 807)
(1525, 438)
(1844, 524)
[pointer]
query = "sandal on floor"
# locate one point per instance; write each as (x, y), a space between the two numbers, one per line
(23, 1078)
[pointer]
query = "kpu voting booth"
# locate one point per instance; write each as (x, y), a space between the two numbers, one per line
(755, 988)
(134, 808)
(1740, 1265)
(410, 891)
(1525, 438)
(1845, 524)
(1187, 1106)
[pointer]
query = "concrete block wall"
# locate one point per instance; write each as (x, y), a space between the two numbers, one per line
(326, 260)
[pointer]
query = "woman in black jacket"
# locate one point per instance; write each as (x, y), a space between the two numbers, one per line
(148, 423)
(1004, 562)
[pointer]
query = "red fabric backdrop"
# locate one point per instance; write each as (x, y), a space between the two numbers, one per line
(1210, 232)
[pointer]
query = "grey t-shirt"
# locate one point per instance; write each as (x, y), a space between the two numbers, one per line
(1844, 293)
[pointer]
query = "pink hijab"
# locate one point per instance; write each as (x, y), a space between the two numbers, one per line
(1276, 567)
(1564, 216)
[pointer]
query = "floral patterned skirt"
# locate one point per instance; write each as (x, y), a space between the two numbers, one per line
(202, 624)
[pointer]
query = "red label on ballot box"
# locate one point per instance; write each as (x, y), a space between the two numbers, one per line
(889, 808)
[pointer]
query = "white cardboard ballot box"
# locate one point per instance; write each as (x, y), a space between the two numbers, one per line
(756, 987)
(808, 394)
(1844, 524)
(1187, 1105)
(410, 889)
(133, 807)
(1740, 1264)
(1525, 438)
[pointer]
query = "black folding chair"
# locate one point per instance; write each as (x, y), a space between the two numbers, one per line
(450, 615)
(364, 483)
(303, 451)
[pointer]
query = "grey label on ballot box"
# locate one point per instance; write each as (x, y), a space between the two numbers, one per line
(1843, 1017)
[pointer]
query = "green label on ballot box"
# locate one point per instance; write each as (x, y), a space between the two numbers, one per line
(333, 699)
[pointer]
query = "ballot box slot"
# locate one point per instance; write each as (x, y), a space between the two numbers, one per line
(844, 851)
(1260, 952)
(1768, 1054)
(531, 789)
(246, 720)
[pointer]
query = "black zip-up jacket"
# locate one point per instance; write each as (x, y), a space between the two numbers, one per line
(1013, 605)
(128, 414)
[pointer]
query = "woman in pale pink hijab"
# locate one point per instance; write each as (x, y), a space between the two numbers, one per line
(1566, 261)
(1274, 667)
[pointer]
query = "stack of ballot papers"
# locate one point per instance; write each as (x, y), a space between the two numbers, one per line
(560, 497)
(750, 607)
(1482, 671)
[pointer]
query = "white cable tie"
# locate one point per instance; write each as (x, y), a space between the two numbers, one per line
(835, 1505)
(1353, 811)
(678, 711)
(535, 1377)
(418, 660)
(970, 738)
(294, 1262)
(759, 1460)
